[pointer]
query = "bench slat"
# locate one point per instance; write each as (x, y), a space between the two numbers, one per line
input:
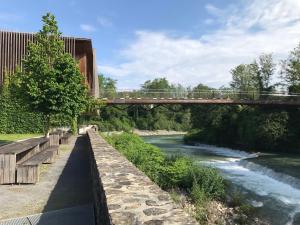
(18, 147)
(41, 157)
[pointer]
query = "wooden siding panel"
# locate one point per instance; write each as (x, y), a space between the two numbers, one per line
(13, 48)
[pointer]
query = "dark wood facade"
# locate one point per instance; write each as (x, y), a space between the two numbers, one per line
(13, 47)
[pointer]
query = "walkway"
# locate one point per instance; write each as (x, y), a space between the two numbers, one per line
(213, 96)
(63, 184)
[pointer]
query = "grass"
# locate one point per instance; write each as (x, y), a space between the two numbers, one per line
(202, 184)
(7, 138)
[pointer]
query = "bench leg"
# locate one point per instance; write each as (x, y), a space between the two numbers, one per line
(7, 169)
(28, 174)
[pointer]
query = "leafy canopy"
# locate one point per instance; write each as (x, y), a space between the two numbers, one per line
(50, 79)
(291, 70)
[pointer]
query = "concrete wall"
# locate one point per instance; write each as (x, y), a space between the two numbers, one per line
(124, 195)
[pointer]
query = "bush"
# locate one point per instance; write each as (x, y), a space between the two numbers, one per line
(176, 172)
(210, 181)
(169, 172)
(15, 117)
(146, 157)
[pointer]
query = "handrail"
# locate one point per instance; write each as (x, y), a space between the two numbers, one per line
(201, 94)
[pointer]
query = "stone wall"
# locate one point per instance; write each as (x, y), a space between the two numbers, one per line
(124, 195)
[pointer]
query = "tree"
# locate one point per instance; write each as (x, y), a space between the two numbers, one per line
(50, 79)
(107, 86)
(244, 77)
(291, 70)
(254, 77)
(266, 69)
(156, 84)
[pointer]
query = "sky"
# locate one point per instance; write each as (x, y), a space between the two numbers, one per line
(187, 41)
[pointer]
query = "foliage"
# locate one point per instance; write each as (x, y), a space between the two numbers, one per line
(251, 127)
(244, 77)
(266, 69)
(169, 172)
(291, 70)
(246, 127)
(146, 157)
(107, 86)
(15, 116)
(50, 80)
(176, 172)
(145, 117)
(255, 76)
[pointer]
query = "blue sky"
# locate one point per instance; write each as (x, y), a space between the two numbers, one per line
(187, 41)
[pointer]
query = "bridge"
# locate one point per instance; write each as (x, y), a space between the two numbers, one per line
(207, 97)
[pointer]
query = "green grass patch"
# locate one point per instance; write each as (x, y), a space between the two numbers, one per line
(8, 138)
(202, 184)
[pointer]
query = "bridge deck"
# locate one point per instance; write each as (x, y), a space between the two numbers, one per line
(140, 101)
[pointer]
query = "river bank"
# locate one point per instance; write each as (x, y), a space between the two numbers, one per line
(199, 190)
(158, 132)
(146, 133)
(196, 138)
(270, 183)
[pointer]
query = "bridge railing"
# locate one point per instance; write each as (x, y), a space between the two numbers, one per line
(207, 94)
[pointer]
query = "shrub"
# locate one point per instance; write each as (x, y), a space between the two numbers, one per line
(210, 181)
(176, 172)
(146, 157)
(15, 117)
(169, 172)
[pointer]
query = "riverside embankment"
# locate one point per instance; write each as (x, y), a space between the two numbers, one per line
(271, 183)
(124, 195)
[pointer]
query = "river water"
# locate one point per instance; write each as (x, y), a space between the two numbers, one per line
(270, 182)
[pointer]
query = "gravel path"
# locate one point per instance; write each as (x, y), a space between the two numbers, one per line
(65, 183)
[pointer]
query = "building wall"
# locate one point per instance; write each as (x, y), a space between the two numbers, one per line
(13, 48)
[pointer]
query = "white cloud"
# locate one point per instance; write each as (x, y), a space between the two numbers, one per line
(270, 26)
(104, 22)
(9, 17)
(208, 21)
(213, 10)
(87, 28)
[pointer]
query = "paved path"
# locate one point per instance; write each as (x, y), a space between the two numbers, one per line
(63, 184)
(78, 215)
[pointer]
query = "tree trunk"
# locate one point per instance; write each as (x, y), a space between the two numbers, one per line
(47, 126)
(74, 126)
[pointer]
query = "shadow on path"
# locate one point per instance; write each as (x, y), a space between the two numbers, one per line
(74, 188)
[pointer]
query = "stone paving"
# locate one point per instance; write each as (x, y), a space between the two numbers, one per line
(132, 198)
(63, 184)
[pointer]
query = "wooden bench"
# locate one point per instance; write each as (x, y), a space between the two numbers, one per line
(65, 138)
(28, 171)
(16, 153)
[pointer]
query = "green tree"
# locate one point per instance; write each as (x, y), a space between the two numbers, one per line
(244, 77)
(291, 71)
(156, 84)
(107, 86)
(266, 69)
(51, 80)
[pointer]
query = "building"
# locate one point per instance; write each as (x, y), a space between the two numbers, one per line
(13, 47)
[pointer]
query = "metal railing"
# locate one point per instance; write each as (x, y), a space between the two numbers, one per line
(207, 94)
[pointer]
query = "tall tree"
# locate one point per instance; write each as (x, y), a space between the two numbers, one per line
(107, 86)
(266, 69)
(51, 80)
(156, 84)
(244, 77)
(291, 70)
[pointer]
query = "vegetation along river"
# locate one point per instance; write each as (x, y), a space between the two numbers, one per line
(270, 182)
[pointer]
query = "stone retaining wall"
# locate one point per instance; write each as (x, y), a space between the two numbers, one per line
(124, 195)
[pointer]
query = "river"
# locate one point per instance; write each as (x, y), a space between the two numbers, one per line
(270, 182)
